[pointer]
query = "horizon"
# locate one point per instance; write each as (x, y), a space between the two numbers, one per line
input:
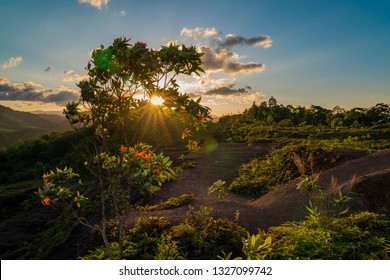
(325, 53)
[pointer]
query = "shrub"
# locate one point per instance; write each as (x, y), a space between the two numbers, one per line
(202, 237)
(172, 202)
(360, 236)
(140, 242)
(198, 237)
(258, 177)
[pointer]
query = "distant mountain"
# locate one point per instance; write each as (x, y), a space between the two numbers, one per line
(17, 125)
(54, 118)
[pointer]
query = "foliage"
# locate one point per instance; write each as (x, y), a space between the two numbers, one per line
(167, 249)
(324, 205)
(140, 242)
(273, 113)
(117, 74)
(255, 247)
(197, 237)
(258, 177)
(121, 71)
(202, 237)
(219, 187)
(172, 202)
(360, 236)
(58, 188)
(358, 128)
(28, 161)
(49, 237)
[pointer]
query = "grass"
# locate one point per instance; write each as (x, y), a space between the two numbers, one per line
(172, 202)
(361, 236)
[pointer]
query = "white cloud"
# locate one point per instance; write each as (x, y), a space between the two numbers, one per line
(199, 32)
(11, 62)
(70, 76)
(95, 3)
(218, 56)
(69, 72)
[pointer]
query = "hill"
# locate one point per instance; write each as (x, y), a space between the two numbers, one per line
(21, 126)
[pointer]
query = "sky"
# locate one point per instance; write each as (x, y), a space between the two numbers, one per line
(326, 53)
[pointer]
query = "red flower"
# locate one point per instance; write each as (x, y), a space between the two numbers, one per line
(46, 201)
(139, 154)
(147, 156)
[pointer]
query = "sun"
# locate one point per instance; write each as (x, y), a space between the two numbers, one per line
(157, 100)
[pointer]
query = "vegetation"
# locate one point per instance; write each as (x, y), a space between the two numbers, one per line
(198, 237)
(172, 202)
(363, 236)
(16, 126)
(98, 173)
(116, 74)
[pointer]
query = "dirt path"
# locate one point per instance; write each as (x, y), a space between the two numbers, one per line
(275, 208)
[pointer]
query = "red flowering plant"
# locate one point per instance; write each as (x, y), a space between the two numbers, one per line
(116, 75)
(137, 167)
(59, 189)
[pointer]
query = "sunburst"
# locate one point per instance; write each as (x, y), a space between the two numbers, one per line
(157, 100)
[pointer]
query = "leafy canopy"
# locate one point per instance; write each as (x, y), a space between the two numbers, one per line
(122, 72)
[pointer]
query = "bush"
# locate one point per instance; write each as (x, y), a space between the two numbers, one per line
(258, 177)
(360, 236)
(202, 237)
(172, 202)
(198, 237)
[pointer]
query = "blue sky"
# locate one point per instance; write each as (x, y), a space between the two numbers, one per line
(318, 52)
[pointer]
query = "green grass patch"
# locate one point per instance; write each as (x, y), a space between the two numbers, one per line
(172, 202)
(362, 236)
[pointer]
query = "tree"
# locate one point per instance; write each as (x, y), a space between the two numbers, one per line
(108, 104)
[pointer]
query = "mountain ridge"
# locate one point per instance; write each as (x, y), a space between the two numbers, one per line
(21, 126)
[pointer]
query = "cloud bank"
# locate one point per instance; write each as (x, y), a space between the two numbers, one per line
(30, 91)
(218, 56)
(11, 62)
(223, 63)
(95, 3)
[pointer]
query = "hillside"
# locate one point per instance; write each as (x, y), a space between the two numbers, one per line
(279, 206)
(17, 125)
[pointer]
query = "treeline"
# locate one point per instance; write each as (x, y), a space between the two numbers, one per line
(272, 113)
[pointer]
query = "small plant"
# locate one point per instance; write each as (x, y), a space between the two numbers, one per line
(219, 187)
(256, 247)
(186, 163)
(167, 249)
(323, 205)
(172, 202)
